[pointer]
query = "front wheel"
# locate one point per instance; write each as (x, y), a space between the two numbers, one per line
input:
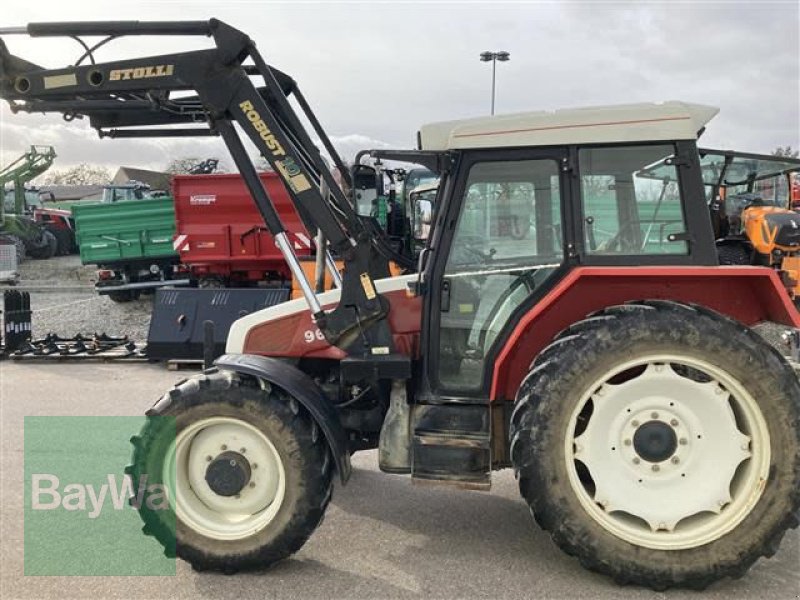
(251, 472)
(660, 443)
(124, 296)
(19, 245)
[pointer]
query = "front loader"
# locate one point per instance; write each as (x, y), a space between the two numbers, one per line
(652, 432)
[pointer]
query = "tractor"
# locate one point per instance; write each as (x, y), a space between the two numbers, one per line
(756, 221)
(30, 236)
(568, 319)
(754, 217)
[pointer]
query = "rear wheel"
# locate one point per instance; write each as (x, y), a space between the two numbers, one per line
(734, 254)
(660, 444)
(212, 282)
(252, 473)
(46, 248)
(65, 242)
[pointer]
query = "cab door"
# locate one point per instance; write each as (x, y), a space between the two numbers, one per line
(502, 242)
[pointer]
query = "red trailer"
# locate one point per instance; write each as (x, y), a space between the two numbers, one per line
(220, 236)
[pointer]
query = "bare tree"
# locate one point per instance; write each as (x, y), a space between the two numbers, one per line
(786, 151)
(82, 174)
(261, 163)
(185, 165)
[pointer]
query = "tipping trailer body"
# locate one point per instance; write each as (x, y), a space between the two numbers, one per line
(220, 234)
(112, 233)
(131, 244)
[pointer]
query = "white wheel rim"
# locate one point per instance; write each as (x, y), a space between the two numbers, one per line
(709, 483)
(198, 506)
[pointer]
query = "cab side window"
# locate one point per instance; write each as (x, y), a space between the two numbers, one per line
(631, 201)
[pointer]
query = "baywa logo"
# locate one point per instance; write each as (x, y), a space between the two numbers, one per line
(117, 493)
(82, 503)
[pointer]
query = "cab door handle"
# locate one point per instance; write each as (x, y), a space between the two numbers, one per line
(445, 298)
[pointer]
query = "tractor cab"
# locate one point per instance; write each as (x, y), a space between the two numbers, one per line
(388, 196)
(133, 190)
(737, 182)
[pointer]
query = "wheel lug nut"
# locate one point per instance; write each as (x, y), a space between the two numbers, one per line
(653, 415)
(252, 484)
(634, 423)
(224, 447)
(675, 460)
(208, 459)
(627, 442)
(655, 468)
(674, 422)
(254, 465)
(682, 441)
(636, 460)
(242, 450)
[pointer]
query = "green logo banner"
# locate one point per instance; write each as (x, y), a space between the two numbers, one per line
(79, 516)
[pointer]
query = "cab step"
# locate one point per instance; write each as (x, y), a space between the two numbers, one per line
(451, 444)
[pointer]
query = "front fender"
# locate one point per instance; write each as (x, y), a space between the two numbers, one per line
(303, 389)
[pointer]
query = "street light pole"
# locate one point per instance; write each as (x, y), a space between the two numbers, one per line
(494, 72)
(487, 56)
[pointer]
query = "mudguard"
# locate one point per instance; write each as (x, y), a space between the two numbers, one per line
(300, 386)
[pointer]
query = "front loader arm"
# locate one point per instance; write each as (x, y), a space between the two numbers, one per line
(206, 92)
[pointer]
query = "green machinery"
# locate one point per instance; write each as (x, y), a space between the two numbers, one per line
(29, 236)
(130, 241)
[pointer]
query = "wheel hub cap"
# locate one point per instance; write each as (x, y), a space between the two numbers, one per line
(671, 456)
(229, 478)
(655, 441)
(227, 474)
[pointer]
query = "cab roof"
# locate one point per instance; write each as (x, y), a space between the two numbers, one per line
(601, 124)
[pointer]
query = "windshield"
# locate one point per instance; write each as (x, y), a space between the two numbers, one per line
(739, 169)
(418, 177)
(117, 194)
(738, 173)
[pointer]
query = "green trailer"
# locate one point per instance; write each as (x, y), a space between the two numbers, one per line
(131, 244)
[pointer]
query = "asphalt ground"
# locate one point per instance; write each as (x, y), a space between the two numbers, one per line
(382, 536)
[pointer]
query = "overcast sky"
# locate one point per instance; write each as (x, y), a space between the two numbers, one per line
(374, 72)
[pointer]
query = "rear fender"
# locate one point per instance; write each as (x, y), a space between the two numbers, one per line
(746, 294)
(300, 387)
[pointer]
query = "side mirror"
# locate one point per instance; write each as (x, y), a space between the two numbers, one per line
(423, 217)
(366, 189)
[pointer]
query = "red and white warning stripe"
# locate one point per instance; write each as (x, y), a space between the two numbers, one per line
(180, 243)
(301, 241)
